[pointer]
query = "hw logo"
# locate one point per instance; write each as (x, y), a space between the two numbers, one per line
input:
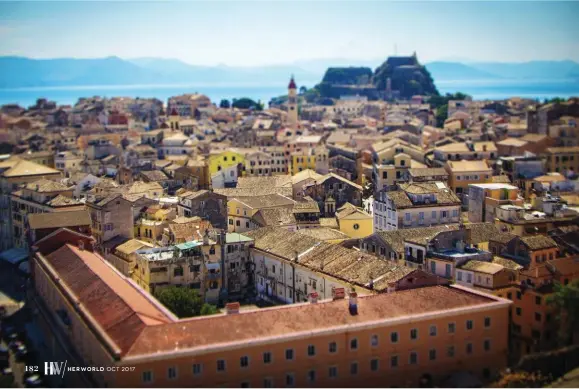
(55, 368)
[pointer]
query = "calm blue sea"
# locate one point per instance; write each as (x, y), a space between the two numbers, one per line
(495, 89)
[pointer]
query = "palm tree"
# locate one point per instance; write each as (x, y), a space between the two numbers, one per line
(565, 299)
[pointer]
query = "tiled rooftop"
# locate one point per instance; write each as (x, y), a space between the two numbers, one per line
(121, 309)
(303, 318)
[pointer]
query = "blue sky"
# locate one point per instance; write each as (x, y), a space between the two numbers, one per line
(246, 33)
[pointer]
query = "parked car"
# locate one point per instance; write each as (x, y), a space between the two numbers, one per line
(6, 377)
(21, 352)
(7, 371)
(34, 381)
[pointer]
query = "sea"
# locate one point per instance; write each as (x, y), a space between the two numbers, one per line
(478, 89)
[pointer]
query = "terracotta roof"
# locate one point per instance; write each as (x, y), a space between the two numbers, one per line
(304, 175)
(512, 142)
(109, 198)
(426, 172)
(142, 187)
(121, 310)
(281, 242)
(193, 230)
(44, 185)
(330, 222)
(323, 233)
(482, 232)
(63, 201)
(19, 167)
(308, 205)
(155, 175)
(503, 237)
(348, 209)
(132, 245)
(538, 242)
(260, 182)
(340, 178)
(59, 219)
(280, 216)
(267, 201)
(482, 267)
(468, 166)
(506, 263)
(255, 191)
(193, 195)
(298, 318)
(443, 195)
(396, 238)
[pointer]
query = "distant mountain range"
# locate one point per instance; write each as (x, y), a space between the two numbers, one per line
(17, 72)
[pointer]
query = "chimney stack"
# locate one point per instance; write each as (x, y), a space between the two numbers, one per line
(338, 293)
(232, 308)
(314, 297)
(353, 303)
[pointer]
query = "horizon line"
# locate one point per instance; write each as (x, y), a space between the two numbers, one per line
(294, 62)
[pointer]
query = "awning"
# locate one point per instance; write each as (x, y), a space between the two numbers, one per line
(188, 245)
(14, 255)
(213, 266)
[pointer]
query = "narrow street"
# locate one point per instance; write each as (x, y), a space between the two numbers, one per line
(12, 298)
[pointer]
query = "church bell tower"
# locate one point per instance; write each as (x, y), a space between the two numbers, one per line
(292, 105)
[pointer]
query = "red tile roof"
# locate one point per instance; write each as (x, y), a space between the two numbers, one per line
(121, 309)
(139, 327)
(249, 326)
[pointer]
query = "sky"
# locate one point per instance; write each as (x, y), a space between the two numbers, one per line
(252, 33)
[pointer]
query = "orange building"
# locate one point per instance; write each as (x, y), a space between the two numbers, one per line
(391, 339)
(533, 324)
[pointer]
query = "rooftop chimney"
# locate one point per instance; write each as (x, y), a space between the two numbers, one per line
(353, 303)
(314, 297)
(338, 293)
(232, 308)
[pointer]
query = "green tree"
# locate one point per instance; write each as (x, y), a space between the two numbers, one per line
(440, 105)
(557, 100)
(303, 89)
(246, 103)
(184, 302)
(441, 115)
(224, 104)
(565, 299)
